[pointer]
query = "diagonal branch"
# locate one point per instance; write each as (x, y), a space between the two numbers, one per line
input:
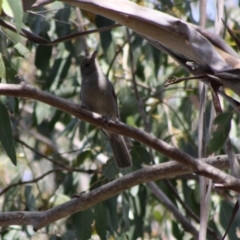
(185, 222)
(24, 90)
(86, 200)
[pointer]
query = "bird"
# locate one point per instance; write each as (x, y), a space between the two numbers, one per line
(98, 95)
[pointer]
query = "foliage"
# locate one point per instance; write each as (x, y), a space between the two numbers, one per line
(45, 137)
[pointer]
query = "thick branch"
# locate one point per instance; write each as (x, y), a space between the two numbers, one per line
(86, 200)
(24, 90)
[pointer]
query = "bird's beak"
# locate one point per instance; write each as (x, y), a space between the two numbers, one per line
(94, 55)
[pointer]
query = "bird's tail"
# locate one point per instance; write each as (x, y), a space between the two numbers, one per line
(120, 151)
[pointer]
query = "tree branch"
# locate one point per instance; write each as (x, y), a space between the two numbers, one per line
(86, 200)
(201, 168)
(185, 222)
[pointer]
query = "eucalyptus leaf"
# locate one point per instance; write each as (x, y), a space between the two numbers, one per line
(110, 169)
(42, 111)
(6, 136)
(13, 36)
(140, 156)
(225, 215)
(17, 10)
(30, 203)
(84, 155)
(2, 68)
(111, 205)
(6, 8)
(221, 131)
(100, 218)
(11, 72)
(82, 224)
(22, 50)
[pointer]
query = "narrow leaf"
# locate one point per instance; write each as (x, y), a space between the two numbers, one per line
(13, 36)
(11, 72)
(6, 8)
(41, 111)
(82, 224)
(1, 1)
(30, 200)
(140, 155)
(228, 217)
(17, 10)
(234, 212)
(111, 205)
(82, 157)
(2, 68)
(110, 169)
(220, 134)
(22, 50)
(6, 137)
(100, 219)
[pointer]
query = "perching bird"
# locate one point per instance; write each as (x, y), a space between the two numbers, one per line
(98, 95)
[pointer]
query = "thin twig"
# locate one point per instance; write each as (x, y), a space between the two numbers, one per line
(138, 98)
(114, 58)
(64, 167)
(35, 180)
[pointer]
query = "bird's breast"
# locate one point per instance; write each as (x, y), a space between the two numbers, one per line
(97, 97)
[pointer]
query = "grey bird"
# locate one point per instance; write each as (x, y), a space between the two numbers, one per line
(98, 95)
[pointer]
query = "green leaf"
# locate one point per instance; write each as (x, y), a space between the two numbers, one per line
(64, 69)
(62, 15)
(14, 37)
(156, 59)
(106, 36)
(30, 199)
(70, 186)
(128, 104)
(2, 67)
(69, 234)
(12, 104)
(22, 50)
(220, 134)
(100, 220)
(82, 157)
(43, 56)
(177, 231)
(140, 202)
(82, 224)
(223, 119)
(6, 8)
(11, 72)
(140, 155)
(110, 169)
(17, 10)
(112, 215)
(125, 215)
(140, 69)
(6, 136)
(226, 209)
(42, 111)
(142, 194)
